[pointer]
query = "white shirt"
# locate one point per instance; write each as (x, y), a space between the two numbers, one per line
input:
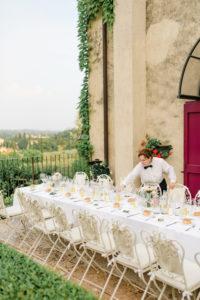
(154, 174)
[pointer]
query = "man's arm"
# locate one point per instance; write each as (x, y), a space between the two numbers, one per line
(132, 175)
(167, 168)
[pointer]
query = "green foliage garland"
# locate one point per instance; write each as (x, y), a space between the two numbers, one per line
(88, 10)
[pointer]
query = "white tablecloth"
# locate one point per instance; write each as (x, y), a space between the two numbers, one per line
(189, 239)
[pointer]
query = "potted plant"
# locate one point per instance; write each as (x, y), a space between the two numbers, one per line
(98, 167)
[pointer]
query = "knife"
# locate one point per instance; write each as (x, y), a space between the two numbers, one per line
(171, 223)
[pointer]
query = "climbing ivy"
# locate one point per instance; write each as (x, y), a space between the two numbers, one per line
(88, 11)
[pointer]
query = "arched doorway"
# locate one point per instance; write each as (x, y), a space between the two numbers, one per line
(189, 89)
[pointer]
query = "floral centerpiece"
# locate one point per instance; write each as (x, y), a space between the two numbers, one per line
(157, 147)
(56, 178)
(150, 194)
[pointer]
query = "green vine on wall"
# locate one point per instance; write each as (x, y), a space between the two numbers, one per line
(88, 11)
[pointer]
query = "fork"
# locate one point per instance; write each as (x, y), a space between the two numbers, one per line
(192, 226)
(171, 224)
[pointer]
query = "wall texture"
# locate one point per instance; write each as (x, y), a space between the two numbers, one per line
(172, 29)
(146, 52)
(96, 88)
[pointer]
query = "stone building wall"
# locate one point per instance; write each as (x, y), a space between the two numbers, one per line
(173, 27)
(96, 88)
(143, 85)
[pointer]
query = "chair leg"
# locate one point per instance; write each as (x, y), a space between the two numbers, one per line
(36, 245)
(25, 236)
(62, 255)
(162, 291)
(107, 281)
(119, 282)
(76, 265)
(173, 294)
(198, 297)
(159, 289)
(13, 230)
(87, 269)
(147, 288)
(51, 250)
(186, 295)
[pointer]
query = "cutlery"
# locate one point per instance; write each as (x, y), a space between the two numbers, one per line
(149, 218)
(133, 215)
(187, 229)
(171, 224)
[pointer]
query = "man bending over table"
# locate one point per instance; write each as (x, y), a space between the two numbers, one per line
(150, 170)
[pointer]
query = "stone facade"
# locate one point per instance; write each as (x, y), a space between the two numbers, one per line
(172, 30)
(146, 52)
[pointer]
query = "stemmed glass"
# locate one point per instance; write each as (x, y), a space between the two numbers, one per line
(44, 178)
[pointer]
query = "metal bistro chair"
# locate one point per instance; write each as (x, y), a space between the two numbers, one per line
(105, 181)
(80, 178)
(197, 259)
(41, 226)
(66, 233)
(96, 240)
(129, 255)
(9, 216)
(180, 194)
(172, 268)
(25, 205)
(196, 200)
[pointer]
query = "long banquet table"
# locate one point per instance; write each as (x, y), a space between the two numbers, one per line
(187, 235)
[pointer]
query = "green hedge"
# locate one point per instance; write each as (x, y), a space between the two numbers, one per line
(23, 279)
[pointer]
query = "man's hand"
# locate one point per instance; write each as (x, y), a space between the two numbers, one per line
(172, 185)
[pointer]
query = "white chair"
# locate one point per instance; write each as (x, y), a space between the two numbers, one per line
(9, 216)
(95, 239)
(197, 199)
(105, 181)
(66, 233)
(172, 268)
(180, 194)
(197, 259)
(80, 178)
(130, 254)
(41, 226)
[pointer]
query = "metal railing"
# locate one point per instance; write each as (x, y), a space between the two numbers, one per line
(15, 172)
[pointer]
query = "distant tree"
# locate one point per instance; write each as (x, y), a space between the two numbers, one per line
(22, 143)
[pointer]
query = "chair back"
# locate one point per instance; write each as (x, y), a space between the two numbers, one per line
(197, 199)
(169, 255)
(180, 194)
(23, 200)
(2, 206)
(35, 212)
(197, 258)
(60, 218)
(124, 239)
(105, 181)
(90, 227)
(80, 178)
(94, 231)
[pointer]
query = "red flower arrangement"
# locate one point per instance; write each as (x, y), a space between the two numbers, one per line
(158, 150)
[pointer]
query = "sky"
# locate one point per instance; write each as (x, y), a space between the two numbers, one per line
(40, 79)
